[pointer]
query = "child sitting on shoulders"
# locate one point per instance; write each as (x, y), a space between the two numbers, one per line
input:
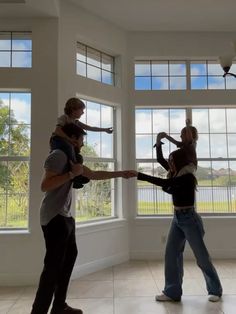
(74, 109)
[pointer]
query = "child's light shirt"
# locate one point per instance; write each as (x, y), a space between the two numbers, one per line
(65, 119)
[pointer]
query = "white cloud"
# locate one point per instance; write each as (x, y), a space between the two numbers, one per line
(21, 110)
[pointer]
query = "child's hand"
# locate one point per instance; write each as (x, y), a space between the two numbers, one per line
(160, 136)
(76, 169)
(109, 130)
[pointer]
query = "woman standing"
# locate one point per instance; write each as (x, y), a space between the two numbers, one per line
(186, 225)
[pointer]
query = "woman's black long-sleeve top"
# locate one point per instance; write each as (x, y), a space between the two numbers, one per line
(182, 188)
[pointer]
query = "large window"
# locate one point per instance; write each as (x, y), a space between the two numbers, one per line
(160, 75)
(96, 199)
(182, 75)
(15, 49)
(15, 120)
(216, 151)
(95, 64)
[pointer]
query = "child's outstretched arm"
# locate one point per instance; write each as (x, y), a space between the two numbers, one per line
(93, 128)
(172, 140)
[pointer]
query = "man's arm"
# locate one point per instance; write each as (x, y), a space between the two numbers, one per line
(103, 175)
(51, 180)
(93, 128)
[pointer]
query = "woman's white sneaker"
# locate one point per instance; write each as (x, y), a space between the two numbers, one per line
(213, 298)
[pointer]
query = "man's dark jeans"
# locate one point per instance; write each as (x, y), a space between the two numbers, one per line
(61, 253)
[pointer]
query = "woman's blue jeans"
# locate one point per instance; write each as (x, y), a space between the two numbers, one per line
(187, 226)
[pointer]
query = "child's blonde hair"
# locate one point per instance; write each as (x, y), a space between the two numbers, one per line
(73, 104)
(190, 132)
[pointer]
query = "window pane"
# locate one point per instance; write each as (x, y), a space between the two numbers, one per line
(160, 83)
(177, 69)
(231, 118)
(200, 119)
(20, 107)
(198, 68)
(143, 83)
(107, 148)
(94, 73)
(218, 146)
(5, 59)
(160, 121)
(21, 41)
(21, 59)
(214, 68)
(107, 63)
(19, 140)
(5, 41)
(143, 121)
(230, 82)
(93, 57)
(177, 120)
(144, 146)
(203, 146)
(81, 52)
(199, 82)
(216, 82)
(232, 145)
(177, 82)
(142, 68)
(81, 68)
(159, 68)
(232, 171)
(151, 199)
(217, 120)
(204, 194)
(96, 198)
(107, 78)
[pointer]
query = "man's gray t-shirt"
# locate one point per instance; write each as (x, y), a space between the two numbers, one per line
(56, 201)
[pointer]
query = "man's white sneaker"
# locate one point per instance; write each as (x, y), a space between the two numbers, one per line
(163, 298)
(213, 298)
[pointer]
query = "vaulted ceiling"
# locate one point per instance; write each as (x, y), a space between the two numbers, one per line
(139, 15)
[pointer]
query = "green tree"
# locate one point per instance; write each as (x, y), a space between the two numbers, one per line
(14, 174)
(94, 199)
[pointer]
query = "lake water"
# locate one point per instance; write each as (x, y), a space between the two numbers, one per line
(203, 194)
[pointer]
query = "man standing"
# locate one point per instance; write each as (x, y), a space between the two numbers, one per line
(59, 226)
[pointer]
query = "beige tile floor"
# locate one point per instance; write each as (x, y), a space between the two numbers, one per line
(130, 288)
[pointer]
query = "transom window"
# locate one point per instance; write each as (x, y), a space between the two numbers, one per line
(15, 126)
(96, 199)
(216, 174)
(16, 49)
(182, 75)
(160, 75)
(208, 75)
(95, 64)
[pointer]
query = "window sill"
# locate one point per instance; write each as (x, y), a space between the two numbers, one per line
(91, 227)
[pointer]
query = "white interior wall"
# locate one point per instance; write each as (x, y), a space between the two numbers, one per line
(52, 81)
(22, 252)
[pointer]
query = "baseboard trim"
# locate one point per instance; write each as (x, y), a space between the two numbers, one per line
(188, 254)
(93, 266)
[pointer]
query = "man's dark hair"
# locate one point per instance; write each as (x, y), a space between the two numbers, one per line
(71, 129)
(183, 156)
